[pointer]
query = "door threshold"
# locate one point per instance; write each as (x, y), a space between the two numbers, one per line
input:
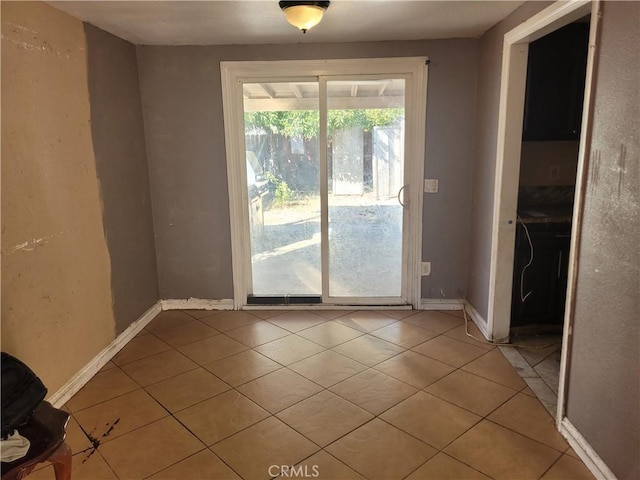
(323, 306)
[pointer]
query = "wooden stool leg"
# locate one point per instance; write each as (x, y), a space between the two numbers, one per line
(61, 460)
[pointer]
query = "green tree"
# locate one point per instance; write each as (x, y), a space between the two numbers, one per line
(304, 123)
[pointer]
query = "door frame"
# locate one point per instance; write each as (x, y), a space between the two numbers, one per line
(511, 112)
(234, 74)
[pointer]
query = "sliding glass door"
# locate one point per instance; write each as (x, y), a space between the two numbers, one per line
(325, 227)
(318, 180)
(283, 188)
(365, 175)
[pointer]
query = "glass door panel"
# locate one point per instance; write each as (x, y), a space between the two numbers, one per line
(283, 185)
(365, 169)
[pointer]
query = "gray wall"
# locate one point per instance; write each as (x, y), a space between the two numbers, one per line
(121, 164)
(603, 390)
(484, 166)
(604, 380)
(182, 104)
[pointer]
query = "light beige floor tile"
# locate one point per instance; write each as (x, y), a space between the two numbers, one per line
(495, 367)
(502, 453)
(323, 466)
(431, 419)
(211, 349)
(76, 438)
(156, 368)
(449, 350)
(256, 453)
(108, 366)
(398, 314)
(378, 450)
(527, 416)
(140, 347)
(279, 390)
(221, 416)
(478, 340)
(297, 320)
(433, 320)
(368, 350)
(200, 314)
(257, 333)
(188, 332)
(186, 389)
(167, 319)
(366, 321)
(289, 349)
(102, 387)
(324, 417)
(415, 369)
(242, 367)
(113, 418)
(404, 334)
(477, 394)
(327, 368)
(455, 313)
(148, 450)
(527, 391)
(568, 468)
(330, 334)
(374, 391)
(444, 467)
(332, 314)
(228, 320)
(84, 466)
(204, 465)
(572, 453)
(264, 314)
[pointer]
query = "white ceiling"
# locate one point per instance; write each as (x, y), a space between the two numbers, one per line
(230, 22)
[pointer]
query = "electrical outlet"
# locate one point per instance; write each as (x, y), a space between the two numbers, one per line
(426, 269)
(430, 185)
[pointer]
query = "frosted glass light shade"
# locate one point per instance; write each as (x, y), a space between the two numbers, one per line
(303, 16)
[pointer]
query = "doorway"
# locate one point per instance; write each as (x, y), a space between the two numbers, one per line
(510, 130)
(320, 175)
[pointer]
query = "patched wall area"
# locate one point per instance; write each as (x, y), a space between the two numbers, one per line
(57, 309)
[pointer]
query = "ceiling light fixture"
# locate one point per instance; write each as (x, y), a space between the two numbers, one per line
(304, 15)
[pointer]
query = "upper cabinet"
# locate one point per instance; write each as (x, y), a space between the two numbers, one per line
(555, 84)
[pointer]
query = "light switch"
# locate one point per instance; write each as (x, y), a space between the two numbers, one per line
(430, 185)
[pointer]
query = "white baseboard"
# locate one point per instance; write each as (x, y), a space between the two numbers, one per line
(441, 304)
(78, 381)
(197, 304)
(480, 322)
(585, 451)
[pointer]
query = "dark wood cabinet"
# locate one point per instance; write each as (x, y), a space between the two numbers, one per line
(544, 283)
(555, 84)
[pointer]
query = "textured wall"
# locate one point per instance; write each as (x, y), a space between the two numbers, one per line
(604, 382)
(182, 104)
(121, 164)
(56, 293)
(484, 164)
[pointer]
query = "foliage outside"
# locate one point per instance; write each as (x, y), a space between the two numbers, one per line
(304, 123)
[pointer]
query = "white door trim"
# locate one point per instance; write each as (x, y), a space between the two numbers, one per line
(233, 74)
(507, 172)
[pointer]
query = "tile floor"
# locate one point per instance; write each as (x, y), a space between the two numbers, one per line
(333, 394)
(537, 359)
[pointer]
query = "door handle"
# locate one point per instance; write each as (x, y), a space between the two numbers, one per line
(401, 196)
